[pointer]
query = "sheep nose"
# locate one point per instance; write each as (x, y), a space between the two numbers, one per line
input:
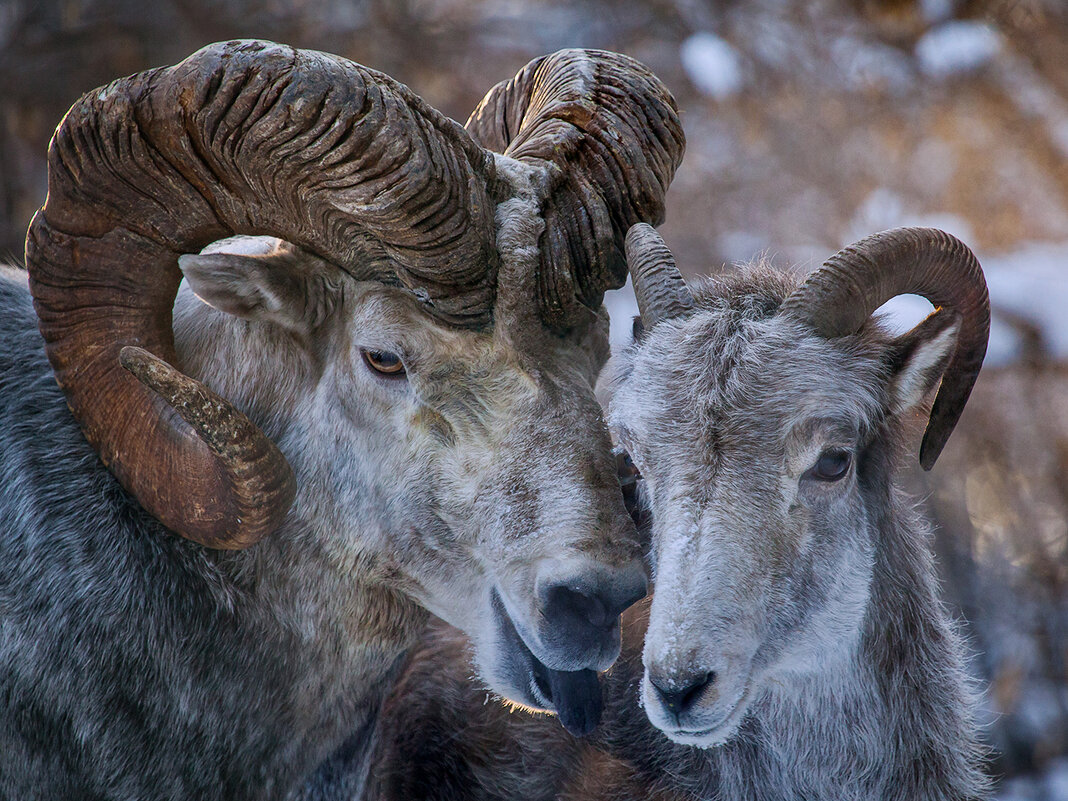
(598, 606)
(580, 613)
(680, 695)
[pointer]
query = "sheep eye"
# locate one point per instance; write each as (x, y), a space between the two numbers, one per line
(831, 466)
(384, 363)
(625, 468)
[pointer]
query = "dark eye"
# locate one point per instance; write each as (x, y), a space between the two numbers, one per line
(831, 466)
(384, 363)
(626, 469)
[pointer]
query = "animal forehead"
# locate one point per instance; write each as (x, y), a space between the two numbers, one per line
(389, 317)
(489, 362)
(714, 369)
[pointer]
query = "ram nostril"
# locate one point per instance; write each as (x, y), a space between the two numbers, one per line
(562, 603)
(679, 699)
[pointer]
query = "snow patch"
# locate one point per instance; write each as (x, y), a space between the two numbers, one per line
(866, 65)
(883, 209)
(622, 309)
(242, 245)
(712, 64)
(1029, 284)
(957, 47)
(741, 247)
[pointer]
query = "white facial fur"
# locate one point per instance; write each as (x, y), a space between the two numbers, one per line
(480, 474)
(762, 564)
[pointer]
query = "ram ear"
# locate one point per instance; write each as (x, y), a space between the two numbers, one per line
(284, 286)
(919, 358)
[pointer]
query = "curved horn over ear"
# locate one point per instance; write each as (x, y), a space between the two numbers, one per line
(607, 135)
(243, 137)
(659, 287)
(838, 299)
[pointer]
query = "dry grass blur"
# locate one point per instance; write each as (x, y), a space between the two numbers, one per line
(835, 127)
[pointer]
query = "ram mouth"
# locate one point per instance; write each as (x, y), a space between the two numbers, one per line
(574, 695)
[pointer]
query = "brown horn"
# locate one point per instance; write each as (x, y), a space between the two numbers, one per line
(606, 133)
(838, 299)
(243, 137)
(659, 287)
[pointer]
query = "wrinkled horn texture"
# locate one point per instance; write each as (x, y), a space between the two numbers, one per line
(607, 133)
(838, 299)
(659, 287)
(243, 137)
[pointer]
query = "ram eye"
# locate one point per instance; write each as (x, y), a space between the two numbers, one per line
(832, 465)
(384, 363)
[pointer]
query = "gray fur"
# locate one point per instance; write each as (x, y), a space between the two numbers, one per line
(815, 602)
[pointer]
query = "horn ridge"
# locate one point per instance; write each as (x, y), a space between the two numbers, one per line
(659, 287)
(606, 134)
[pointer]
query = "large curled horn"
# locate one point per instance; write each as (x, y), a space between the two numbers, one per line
(659, 287)
(243, 137)
(838, 298)
(606, 133)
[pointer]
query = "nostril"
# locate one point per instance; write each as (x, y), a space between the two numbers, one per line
(588, 605)
(679, 699)
(695, 691)
(562, 602)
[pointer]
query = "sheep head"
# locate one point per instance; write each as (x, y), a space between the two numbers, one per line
(498, 243)
(764, 419)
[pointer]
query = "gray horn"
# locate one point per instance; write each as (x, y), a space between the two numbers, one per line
(658, 285)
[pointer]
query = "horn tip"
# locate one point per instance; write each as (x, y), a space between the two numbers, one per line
(141, 363)
(931, 449)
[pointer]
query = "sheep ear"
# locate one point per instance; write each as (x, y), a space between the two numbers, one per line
(274, 287)
(919, 358)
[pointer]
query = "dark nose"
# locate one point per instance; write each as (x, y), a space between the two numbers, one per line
(583, 606)
(679, 696)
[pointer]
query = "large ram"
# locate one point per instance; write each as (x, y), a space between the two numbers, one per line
(410, 421)
(795, 646)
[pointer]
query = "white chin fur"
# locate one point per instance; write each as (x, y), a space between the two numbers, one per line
(710, 739)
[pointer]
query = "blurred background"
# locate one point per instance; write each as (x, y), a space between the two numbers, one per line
(809, 125)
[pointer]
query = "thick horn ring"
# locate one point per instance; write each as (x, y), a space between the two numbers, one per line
(242, 137)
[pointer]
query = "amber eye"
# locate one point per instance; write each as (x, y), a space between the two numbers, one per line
(384, 363)
(832, 465)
